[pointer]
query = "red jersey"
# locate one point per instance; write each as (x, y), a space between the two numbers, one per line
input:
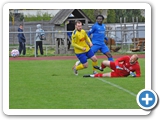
(124, 63)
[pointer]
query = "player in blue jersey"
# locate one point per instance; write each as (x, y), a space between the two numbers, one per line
(98, 32)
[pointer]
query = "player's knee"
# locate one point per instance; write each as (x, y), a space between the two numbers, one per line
(94, 59)
(106, 63)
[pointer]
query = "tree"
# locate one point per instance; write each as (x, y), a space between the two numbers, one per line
(92, 13)
(111, 17)
(128, 14)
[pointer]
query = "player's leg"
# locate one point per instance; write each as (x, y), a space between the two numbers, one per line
(110, 58)
(103, 74)
(105, 64)
(99, 75)
(110, 74)
(83, 63)
(94, 49)
(105, 50)
(91, 55)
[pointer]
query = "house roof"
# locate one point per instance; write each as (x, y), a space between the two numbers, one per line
(64, 14)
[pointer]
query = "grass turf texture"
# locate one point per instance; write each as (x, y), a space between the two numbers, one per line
(52, 85)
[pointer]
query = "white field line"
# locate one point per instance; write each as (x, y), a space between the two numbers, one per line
(117, 86)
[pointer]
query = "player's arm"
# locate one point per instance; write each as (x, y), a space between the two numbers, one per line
(88, 40)
(106, 39)
(91, 30)
(69, 34)
(138, 71)
(121, 59)
(74, 44)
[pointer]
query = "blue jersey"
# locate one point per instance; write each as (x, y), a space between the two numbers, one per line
(98, 34)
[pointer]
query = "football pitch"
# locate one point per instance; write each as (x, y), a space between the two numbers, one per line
(51, 84)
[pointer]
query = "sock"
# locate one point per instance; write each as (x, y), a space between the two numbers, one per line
(110, 59)
(94, 64)
(80, 67)
(98, 75)
(103, 66)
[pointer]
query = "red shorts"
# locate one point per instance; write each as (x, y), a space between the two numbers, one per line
(115, 73)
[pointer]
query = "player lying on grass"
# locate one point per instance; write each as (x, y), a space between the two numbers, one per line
(122, 67)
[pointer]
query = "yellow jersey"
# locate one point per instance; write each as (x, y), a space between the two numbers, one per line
(79, 41)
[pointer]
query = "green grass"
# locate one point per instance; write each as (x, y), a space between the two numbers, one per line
(52, 85)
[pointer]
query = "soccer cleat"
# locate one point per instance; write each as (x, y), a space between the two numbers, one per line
(86, 76)
(75, 71)
(99, 68)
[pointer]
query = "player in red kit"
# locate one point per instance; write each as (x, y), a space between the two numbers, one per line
(122, 67)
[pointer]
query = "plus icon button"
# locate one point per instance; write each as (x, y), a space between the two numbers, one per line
(147, 99)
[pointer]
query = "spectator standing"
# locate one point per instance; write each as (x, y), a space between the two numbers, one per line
(21, 40)
(39, 42)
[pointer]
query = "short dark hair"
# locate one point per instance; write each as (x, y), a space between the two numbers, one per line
(78, 22)
(100, 16)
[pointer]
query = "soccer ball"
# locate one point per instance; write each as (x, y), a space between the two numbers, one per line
(14, 53)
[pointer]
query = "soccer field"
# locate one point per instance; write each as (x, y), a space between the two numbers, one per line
(51, 84)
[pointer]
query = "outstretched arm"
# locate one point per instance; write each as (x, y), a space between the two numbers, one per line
(91, 30)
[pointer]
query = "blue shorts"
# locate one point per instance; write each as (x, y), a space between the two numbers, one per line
(103, 48)
(84, 56)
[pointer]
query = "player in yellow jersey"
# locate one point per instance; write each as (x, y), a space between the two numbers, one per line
(82, 43)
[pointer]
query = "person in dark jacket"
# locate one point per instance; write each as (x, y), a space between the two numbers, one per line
(21, 40)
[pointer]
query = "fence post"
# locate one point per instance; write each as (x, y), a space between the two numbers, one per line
(121, 33)
(53, 41)
(137, 36)
(35, 55)
(134, 33)
(30, 36)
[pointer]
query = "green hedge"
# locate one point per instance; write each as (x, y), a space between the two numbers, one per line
(39, 17)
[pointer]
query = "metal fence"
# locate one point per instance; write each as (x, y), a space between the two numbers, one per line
(124, 34)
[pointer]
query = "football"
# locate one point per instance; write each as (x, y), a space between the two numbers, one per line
(14, 53)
